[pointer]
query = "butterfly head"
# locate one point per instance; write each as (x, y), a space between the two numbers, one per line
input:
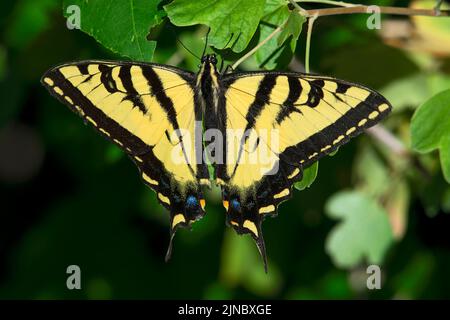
(210, 58)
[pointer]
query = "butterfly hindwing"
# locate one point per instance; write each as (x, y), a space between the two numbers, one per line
(287, 121)
(141, 107)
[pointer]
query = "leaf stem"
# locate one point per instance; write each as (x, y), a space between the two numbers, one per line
(308, 41)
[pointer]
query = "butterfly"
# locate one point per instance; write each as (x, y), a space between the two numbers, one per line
(259, 130)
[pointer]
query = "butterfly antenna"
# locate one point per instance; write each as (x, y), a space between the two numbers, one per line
(187, 49)
(206, 43)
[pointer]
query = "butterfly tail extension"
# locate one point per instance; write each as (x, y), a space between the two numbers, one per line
(184, 210)
(242, 216)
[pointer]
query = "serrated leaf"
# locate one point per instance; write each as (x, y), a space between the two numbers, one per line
(120, 26)
(309, 176)
(430, 129)
(364, 232)
(226, 18)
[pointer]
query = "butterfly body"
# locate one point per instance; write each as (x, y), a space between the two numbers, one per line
(265, 127)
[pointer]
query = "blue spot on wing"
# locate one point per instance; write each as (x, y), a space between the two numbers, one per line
(191, 202)
(236, 205)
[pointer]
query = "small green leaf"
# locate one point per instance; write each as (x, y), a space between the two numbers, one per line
(226, 18)
(276, 15)
(292, 28)
(430, 129)
(364, 232)
(309, 175)
(120, 26)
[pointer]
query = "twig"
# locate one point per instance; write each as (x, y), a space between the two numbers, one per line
(333, 3)
(383, 10)
(302, 11)
(248, 54)
(381, 134)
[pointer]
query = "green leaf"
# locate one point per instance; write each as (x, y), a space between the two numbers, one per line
(120, 26)
(309, 175)
(276, 15)
(292, 28)
(364, 232)
(430, 129)
(226, 18)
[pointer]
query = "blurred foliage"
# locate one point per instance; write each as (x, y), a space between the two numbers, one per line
(69, 197)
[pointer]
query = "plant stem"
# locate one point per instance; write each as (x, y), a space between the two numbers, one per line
(308, 41)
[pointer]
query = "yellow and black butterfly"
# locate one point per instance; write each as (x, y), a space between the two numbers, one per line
(157, 114)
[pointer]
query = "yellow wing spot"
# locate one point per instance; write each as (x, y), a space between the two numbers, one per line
(220, 182)
(80, 111)
(104, 132)
(118, 142)
(267, 209)
(339, 139)
(250, 226)
(325, 148)
(373, 115)
(91, 120)
(179, 218)
(153, 182)
(313, 155)
(294, 173)
(362, 122)
(58, 90)
(225, 204)
(351, 130)
(163, 198)
(205, 182)
(138, 159)
(49, 81)
(68, 99)
(282, 194)
(383, 107)
(234, 223)
(202, 203)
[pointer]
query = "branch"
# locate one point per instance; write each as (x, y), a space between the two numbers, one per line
(396, 146)
(383, 10)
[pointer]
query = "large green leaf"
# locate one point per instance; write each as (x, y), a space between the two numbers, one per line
(226, 18)
(364, 232)
(430, 129)
(121, 26)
